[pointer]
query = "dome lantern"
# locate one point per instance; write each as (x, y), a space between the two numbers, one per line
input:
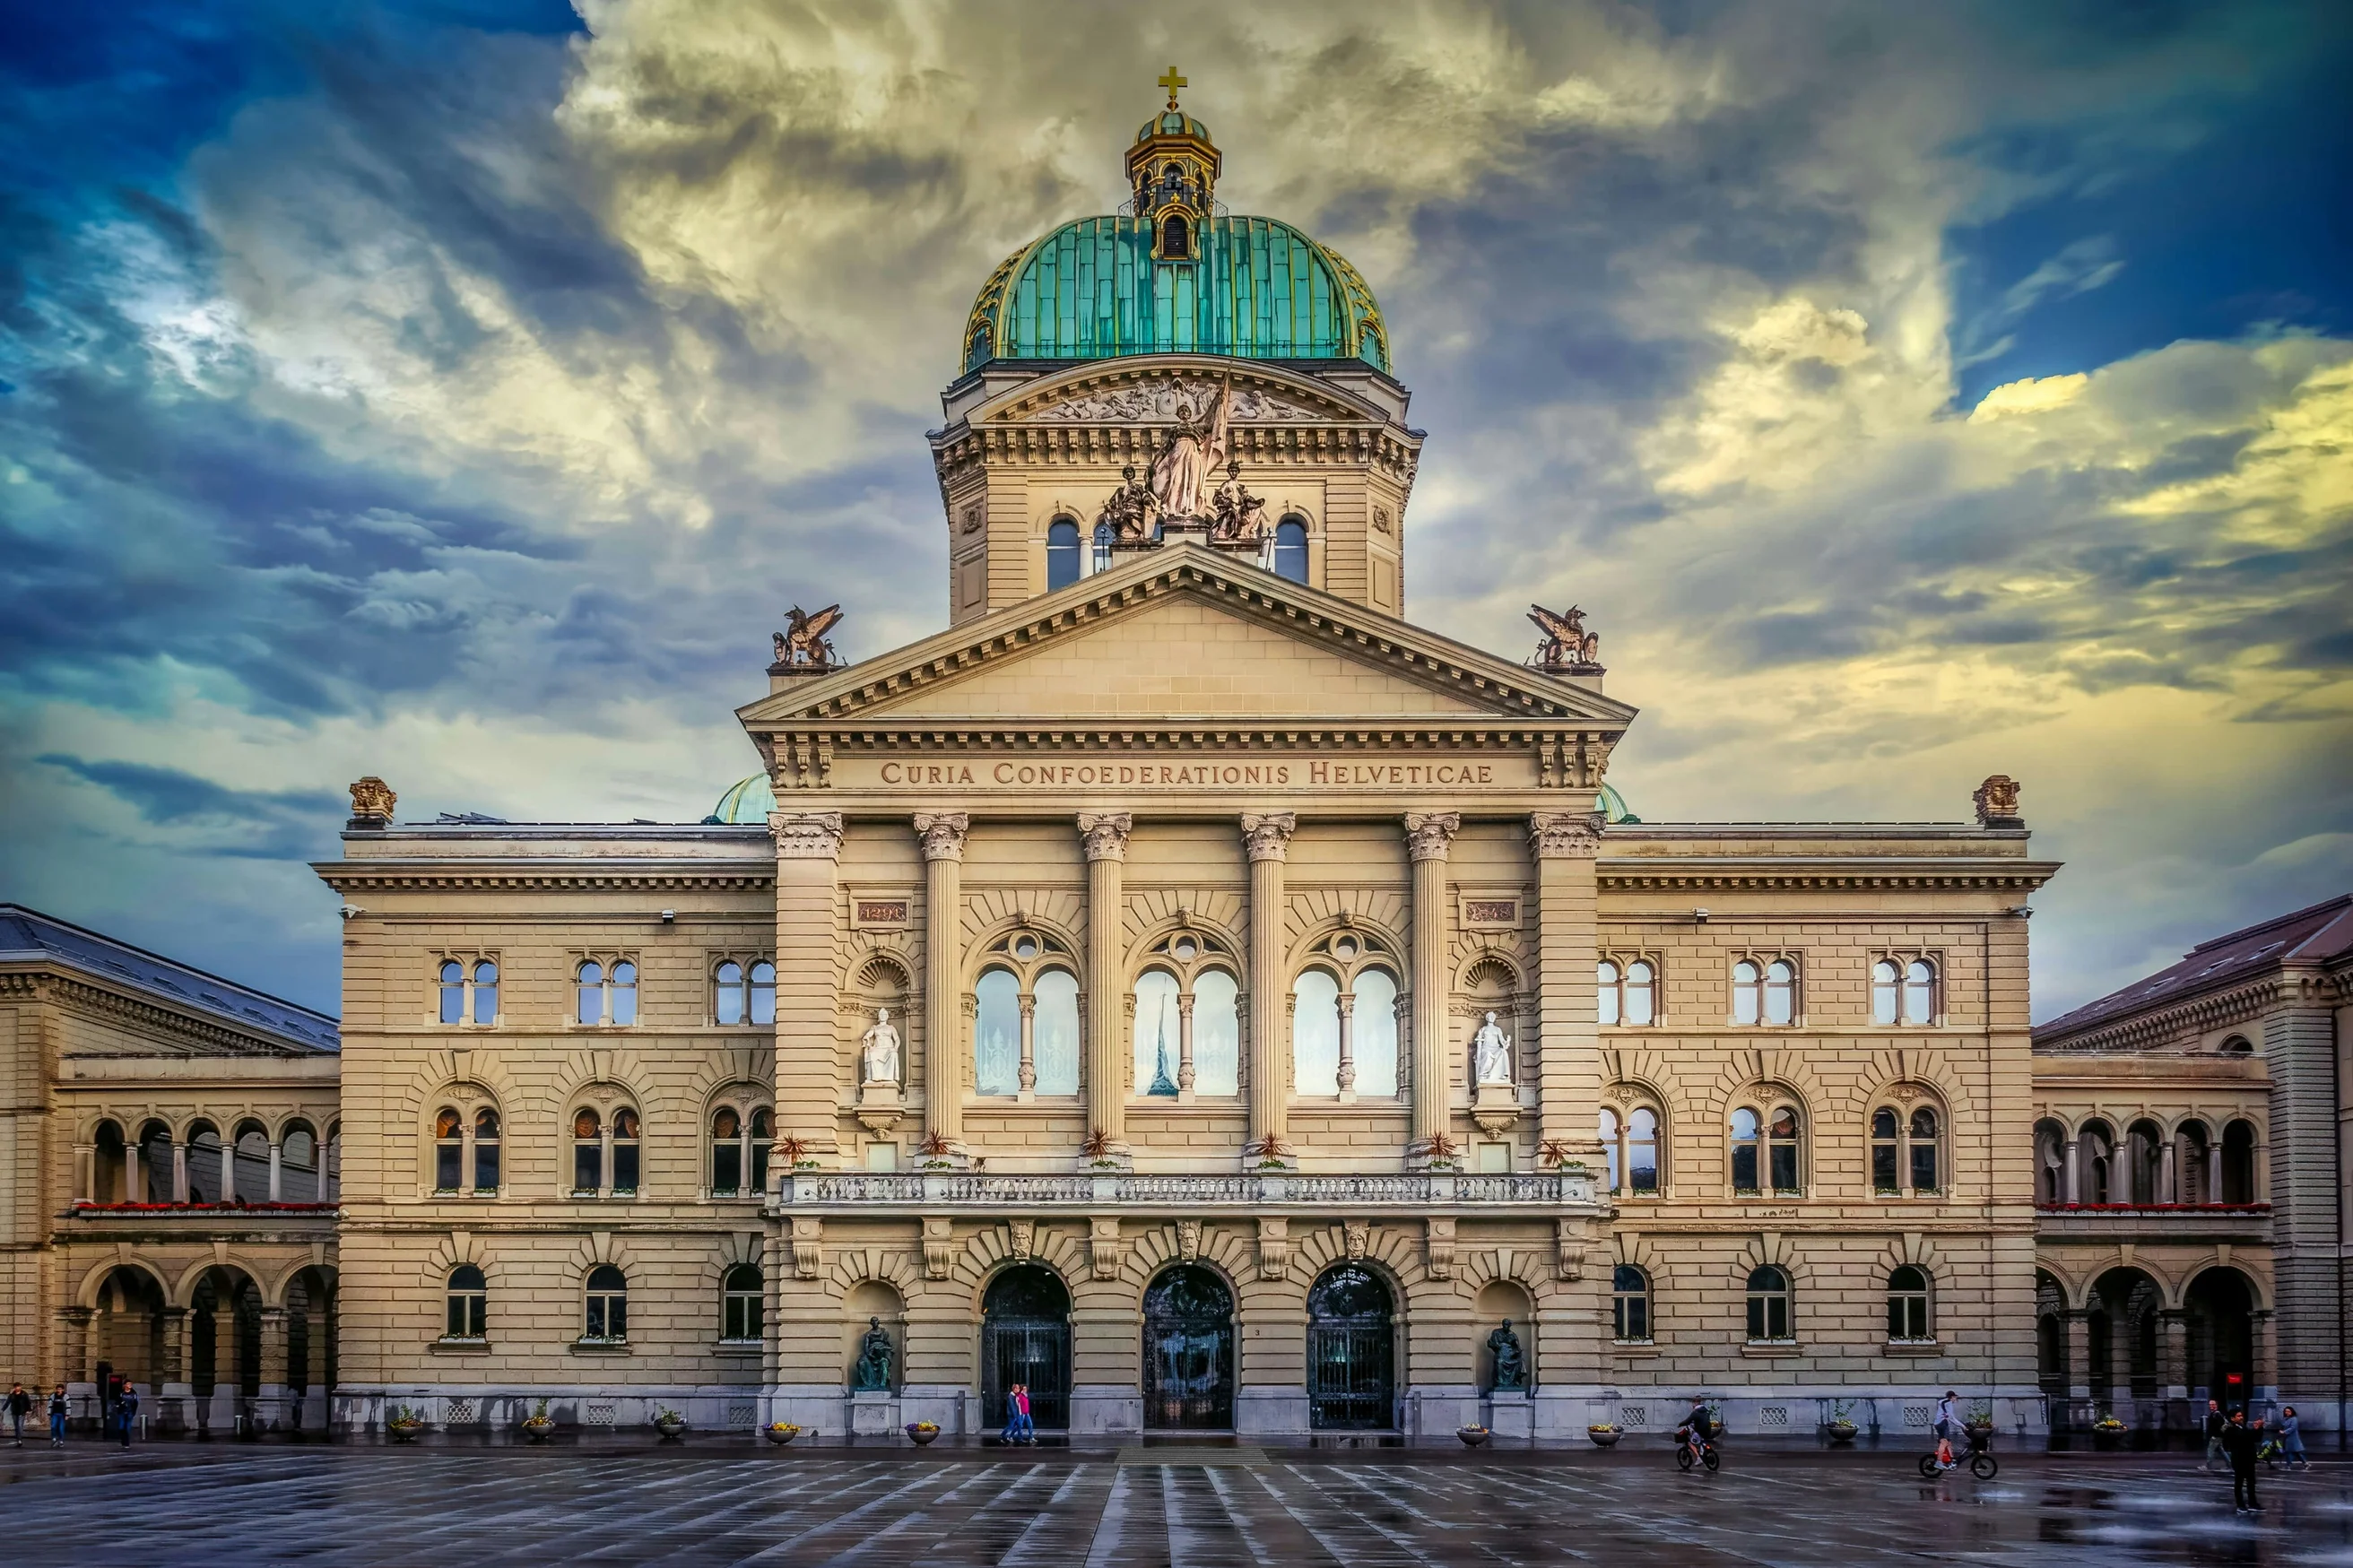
(1172, 170)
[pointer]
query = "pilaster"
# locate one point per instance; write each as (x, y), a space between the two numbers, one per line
(1568, 1036)
(1428, 837)
(1104, 836)
(808, 850)
(1266, 837)
(942, 836)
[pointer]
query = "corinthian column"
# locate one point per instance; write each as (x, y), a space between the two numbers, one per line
(808, 850)
(1106, 836)
(942, 834)
(1267, 838)
(1563, 845)
(1428, 837)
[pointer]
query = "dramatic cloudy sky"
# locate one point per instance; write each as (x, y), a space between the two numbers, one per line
(459, 391)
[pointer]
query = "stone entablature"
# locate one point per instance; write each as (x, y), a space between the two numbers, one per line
(1567, 1193)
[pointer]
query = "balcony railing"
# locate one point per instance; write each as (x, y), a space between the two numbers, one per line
(1252, 1192)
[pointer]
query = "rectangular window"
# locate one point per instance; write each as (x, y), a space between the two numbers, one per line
(597, 1325)
(625, 1169)
(1907, 1317)
(486, 1167)
(445, 1166)
(1769, 1318)
(1785, 1168)
(1744, 1168)
(588, 1167)
(466, 1317)
(1632, 1317)
(1883, 1167)
(743, 1317)
(1923, 1167)
(726, 1167)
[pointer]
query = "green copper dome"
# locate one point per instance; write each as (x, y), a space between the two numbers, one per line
(1171, 122)
(1613, 806)
(1253, 287)
(746, 801)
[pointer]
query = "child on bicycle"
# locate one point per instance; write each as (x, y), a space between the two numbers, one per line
(1947, 1422)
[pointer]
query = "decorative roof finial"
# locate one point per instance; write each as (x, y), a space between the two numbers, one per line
(1172, 81)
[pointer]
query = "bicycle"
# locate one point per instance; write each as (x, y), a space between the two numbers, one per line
(1980, 1461)
(1707, 1453)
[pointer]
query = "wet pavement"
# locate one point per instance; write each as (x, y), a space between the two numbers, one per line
(722, 1499)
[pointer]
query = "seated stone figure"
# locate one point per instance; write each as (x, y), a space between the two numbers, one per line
(1511, 1367)
(873, 1370)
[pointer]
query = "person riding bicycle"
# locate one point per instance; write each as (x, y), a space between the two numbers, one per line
(1699, 1427)
(1949, 1421)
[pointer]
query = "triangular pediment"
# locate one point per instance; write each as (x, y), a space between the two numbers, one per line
(1184, 636)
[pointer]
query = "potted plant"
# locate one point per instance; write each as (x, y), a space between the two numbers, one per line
(922, 1432)
(539, 1425)
(1981, 1417)
(668, 1422)
(781, 1432)
(1441, 1152)
(1271, 1152)
(2107, 1430)
(1097, 1149)
(1842, 1425)
(1473, 1435)
(796, 1153)
(405, 1425)
(935, 1151)
(1605, 1434)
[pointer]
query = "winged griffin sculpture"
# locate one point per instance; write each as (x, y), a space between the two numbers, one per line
(1566, 643)
(802, 644)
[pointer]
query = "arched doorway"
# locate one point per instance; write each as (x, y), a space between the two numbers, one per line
(2049, 1336)
(1188, 1352)
(2222, 1335)
(1025, 1337)
(1351, 1351)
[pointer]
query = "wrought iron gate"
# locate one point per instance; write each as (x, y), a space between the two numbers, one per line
(1349, 1386)
(1032, 1350)
(1188, 1374)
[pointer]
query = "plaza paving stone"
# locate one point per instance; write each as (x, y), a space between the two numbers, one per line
(720, 1499)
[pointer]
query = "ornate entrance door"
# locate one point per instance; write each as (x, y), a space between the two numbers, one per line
(1351, 1352)
(1188, 1352)
(1025, 1338)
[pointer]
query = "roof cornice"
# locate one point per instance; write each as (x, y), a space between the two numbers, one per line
(66, 984)
(1633, 874)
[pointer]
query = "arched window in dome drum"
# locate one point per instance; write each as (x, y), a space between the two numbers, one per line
(1175, 239)
(1061, 553)
(1290, 549)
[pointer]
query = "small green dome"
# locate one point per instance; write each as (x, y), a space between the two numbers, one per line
(1614, 807)
(747, 801)
(1172, 122)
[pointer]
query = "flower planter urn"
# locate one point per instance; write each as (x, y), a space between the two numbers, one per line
(537, 1429)
(921, 1432)
(781, 1432)
(1842, 1431)
(404, 1432)
(670, 1429)
(1604, 1436)
(1472, 1436)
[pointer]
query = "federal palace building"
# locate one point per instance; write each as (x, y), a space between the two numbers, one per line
(1189, 988)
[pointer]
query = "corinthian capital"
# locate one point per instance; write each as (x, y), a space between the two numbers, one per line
(1105, 834)
(1565, 835)
(942, 833)
(1267, 834)
(806, 835)
(1428, 834)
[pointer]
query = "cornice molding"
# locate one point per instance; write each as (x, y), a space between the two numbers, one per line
(64, 986)
(346, 877)
(1628, 875)
(2195, 1014)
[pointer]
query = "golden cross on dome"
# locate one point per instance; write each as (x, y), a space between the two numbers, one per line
(1172, 81)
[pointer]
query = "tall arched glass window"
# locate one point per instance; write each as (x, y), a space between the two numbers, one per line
(1643, 1151)
(1781, 1151)
(1748, 1150)
(448, 1148)
(1768, 1305)
(727, 997)
(1613, 1149)
(1159, 1033)
(1887, 998)
(1747, 993)
(1907, 1305)
(1629, 1305)
(588, 1154)
(1609, 1005)
(1290, 549)
(1061, 553)
(591, 979)
(469, 1304)
(1886, 1162)
(763, 1133)
(1641, 993)
(739, 1303)
(1780, 991)
(726, 1151)
(1217, 1034)
(763, 992)
(1373, 1034)
(1919, 992)
(486, 992)
(997, 1034)
(453, 991)
(1057, 1039)
(607, 1315)
(624, 990)
(1315, 1034)
(1925, 1177)
(486, 1151)
(624, 1150)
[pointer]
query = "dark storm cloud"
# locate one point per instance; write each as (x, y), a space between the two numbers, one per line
(266, 825)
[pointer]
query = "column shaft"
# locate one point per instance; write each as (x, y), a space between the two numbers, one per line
(1105, 838)
(942, 835)
(1428, 837)
(809, 848)
(1267, 838)
(2079, 1354)
(1568, 1036)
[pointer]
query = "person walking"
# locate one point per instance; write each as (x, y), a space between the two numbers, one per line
(2215, 1423)
(1012, 1433)
(20, 1405)
(2240, 1442)
(1021, 1401)
(2291, 1437)
(126, 1411)
(57, 1408)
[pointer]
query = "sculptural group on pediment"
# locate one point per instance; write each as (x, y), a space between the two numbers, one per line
(1567, 647)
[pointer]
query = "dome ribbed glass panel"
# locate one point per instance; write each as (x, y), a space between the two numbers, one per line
(746, 801)
(1257, 288)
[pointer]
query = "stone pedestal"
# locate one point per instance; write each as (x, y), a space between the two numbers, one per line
(1495, 1107)
(1510, 1413)
(873, 1414)
(880, 1107)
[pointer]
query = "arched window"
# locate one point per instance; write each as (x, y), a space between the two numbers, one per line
(1057, 1051)
(486, 992)
(997, 1033)
(622, 991)
(470, 1303)
(1105, 536)
(1747, 993)
(763, 1133)
(1769, 1306)
(1641, 993)
(1629, 1305)
(448, 1148)
(1920, 991)
(591, 979)
(1061, 553)
(727, 1001)
(1926, 1178)
(1907, 1306)
(249, 1164)
(608, 993)
(1780, 991)
(1175, 239)
(1764, 993)
(763, 992)
(739, 1303)
(1885, 993)
(109, 1168)
(625, 1153)
(1905, 1153)
(1767, 1146)
(588, 1154)
(2239, 1162)
(726, 1152)
(1315, 1034)
(2236, 1045)
(206, 1159)
(1217, 1034)
(486, 1151)
(1373, 1028)
(607, 1317)
(453, 991)
(1630, 1147)
(1290, 549)
(2190, 1162)
(1159, 1034)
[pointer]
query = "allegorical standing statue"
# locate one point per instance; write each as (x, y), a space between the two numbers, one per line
(879, 1053)
(1491, 1054)
(1181, 470)
(1511, 1366)
(874, 1369)
(1240, 514)
(1128, 512)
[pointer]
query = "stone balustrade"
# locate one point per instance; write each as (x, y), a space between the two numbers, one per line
(1415, 1193)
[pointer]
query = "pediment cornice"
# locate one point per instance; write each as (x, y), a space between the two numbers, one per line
(1144, 391)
